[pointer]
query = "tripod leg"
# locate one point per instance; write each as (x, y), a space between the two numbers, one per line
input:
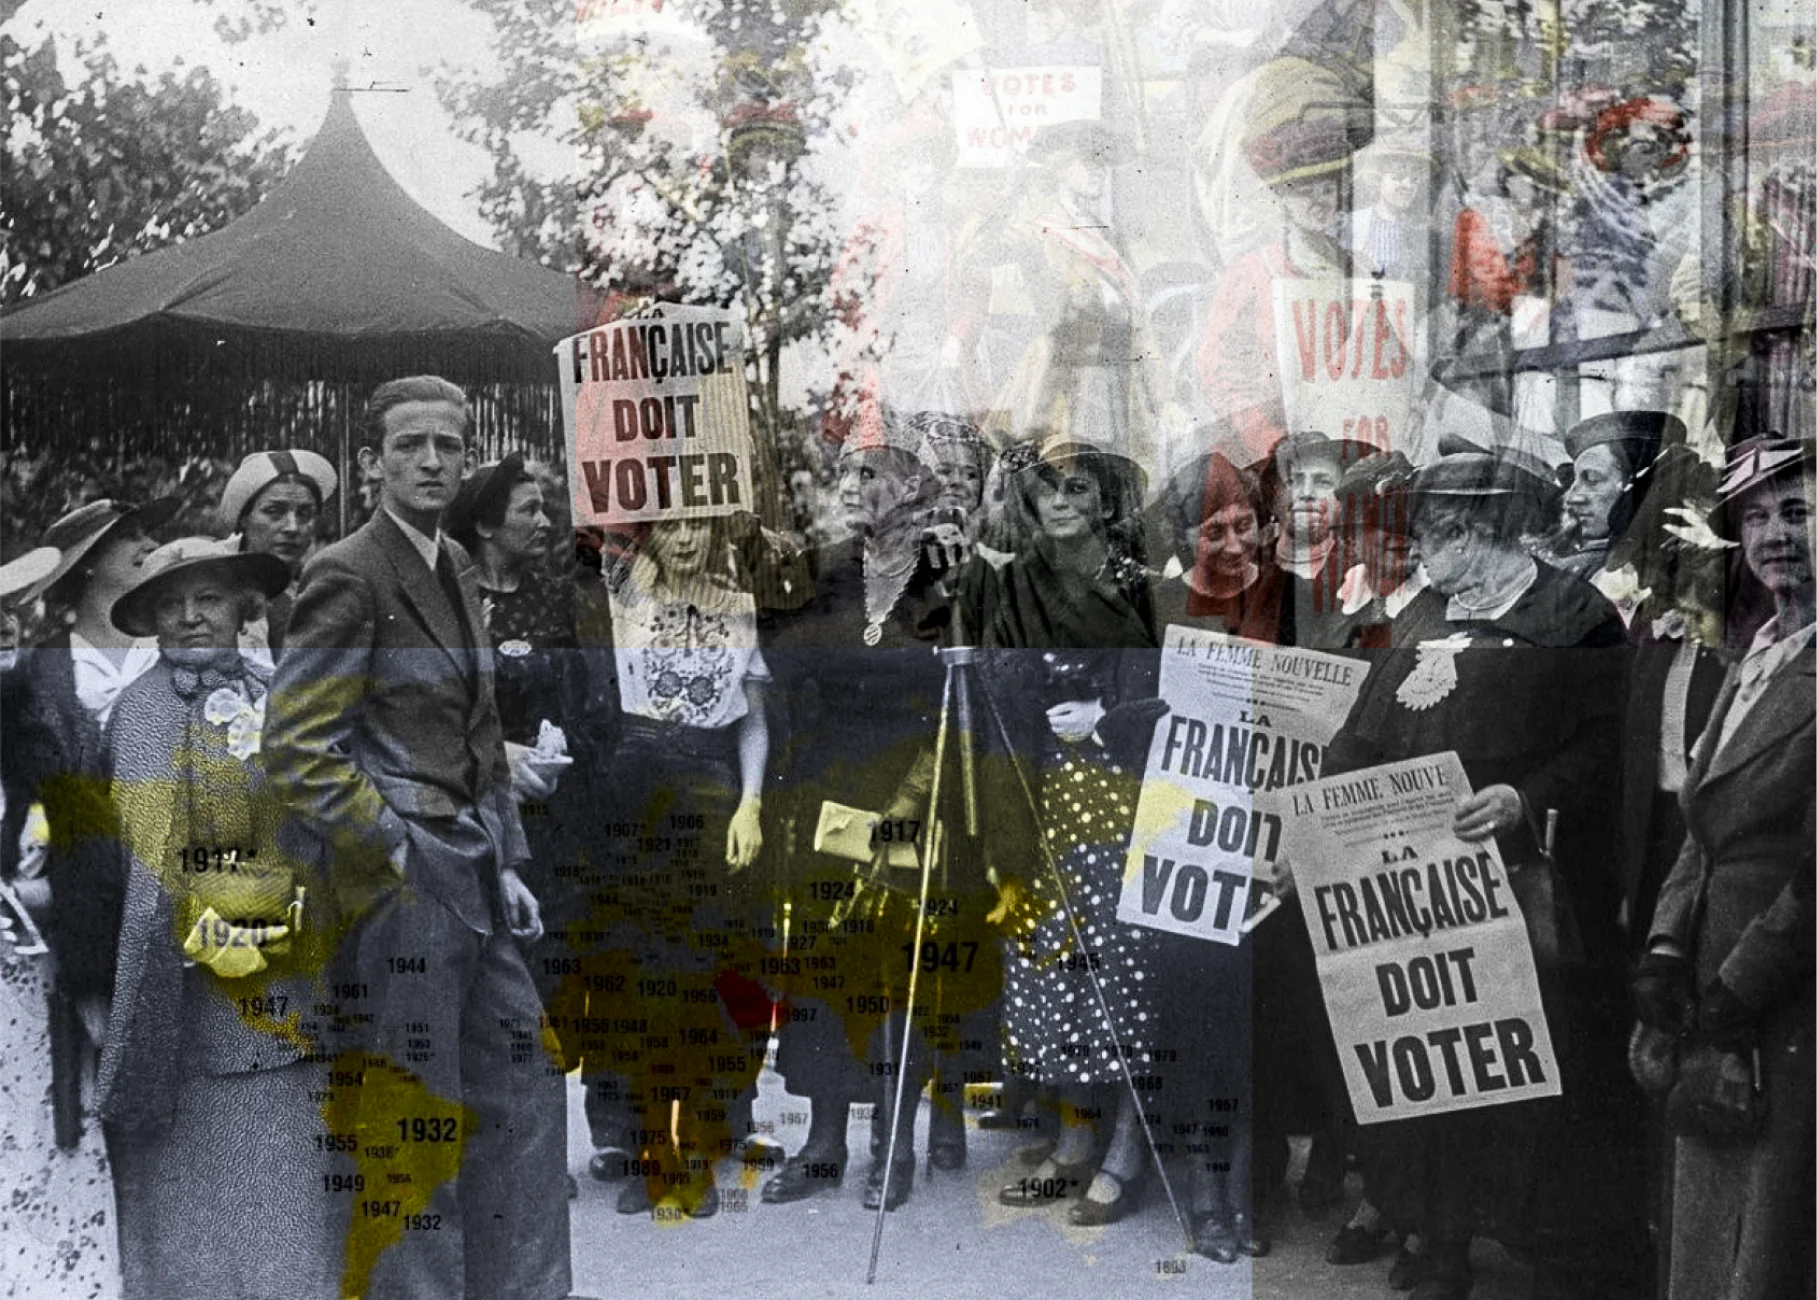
(1032, 798)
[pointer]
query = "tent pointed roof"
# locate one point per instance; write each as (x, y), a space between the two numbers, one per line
(337, 252)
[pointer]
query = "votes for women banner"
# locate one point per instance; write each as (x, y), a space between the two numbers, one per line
(657, 418)
(997, 112)
(1242, 719)
(1422, 953)
(1345, 350)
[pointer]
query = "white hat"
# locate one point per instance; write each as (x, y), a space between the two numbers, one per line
(28, 570)
(263, 468)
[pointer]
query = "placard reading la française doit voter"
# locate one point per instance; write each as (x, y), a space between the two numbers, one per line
(1242, 719)
(657, 419)
(1422, 953)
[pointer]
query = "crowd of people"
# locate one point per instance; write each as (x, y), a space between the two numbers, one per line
(327, 862)
(348, 854)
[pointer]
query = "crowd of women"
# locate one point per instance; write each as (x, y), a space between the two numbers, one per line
(728, 752)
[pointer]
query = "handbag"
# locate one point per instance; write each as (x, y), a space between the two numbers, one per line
(1545, 905)
(1653, 1059)
(1718, 1096)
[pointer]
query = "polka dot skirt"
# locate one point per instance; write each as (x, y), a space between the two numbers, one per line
(1054, 1025)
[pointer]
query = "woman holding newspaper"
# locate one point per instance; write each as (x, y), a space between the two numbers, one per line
(1505, 662)
(1060, 617)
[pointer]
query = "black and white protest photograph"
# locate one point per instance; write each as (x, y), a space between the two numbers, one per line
(908, 648)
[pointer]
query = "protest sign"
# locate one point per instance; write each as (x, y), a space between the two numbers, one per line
(1242, 718)
(1346, 350)
(1422, 953)
(656, 416)
(997, 111)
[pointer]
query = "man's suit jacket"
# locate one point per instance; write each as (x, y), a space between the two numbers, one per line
(383, 729)
(1739, 898)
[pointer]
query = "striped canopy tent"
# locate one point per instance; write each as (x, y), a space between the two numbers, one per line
(272, 330)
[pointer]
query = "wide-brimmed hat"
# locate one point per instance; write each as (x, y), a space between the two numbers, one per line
(84, 528)
(1638, 434)
(263, 468)
(135, 613)
(479, 492)
(27, 573)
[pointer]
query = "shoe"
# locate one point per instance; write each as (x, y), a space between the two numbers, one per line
(607, 1164)
(1089, 1213)
(801, 1178)
(761, 1153)
(946, 1140)
(996, 1118)
(1251, 1240)
(948, 1157)
(1215, 1237)
(634, 1198)
(1407, 1270)
(704, 1208)
(1354, 1245)
(902, 1181)
(1039, 1188)
(573, 1188)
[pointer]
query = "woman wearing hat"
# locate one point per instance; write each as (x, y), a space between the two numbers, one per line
(550, 701)
(862, 690)
(1088, 370)
(58, 1224)
(1496, 661)
(1612, 457)
(1727, 974)
(1059, 619)
(209, 1084)
(70, 683)
(272, 502)
(1303, 162)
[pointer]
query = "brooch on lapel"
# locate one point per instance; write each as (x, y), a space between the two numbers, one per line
(1434, 674)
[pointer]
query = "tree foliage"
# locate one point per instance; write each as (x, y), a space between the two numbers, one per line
(101, 164)
(695, 173)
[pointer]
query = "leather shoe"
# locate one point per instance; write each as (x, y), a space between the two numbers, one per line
(1090, 1213)
(996, 1117)
(1355, 1245)
(1215, 1237)
(902, 1181)
(1407, 1270)
(634, 1198)
(607, 1165)
(946, 1140)
(1045, 1184)
(804, 1176)
(1251, 1240)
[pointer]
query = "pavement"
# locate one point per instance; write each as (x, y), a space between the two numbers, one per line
(951, 1240)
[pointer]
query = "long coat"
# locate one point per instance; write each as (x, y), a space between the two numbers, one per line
(1739, 900)
(198, 1072)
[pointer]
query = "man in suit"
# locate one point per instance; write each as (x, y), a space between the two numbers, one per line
(384, 730)
(1731, 952)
